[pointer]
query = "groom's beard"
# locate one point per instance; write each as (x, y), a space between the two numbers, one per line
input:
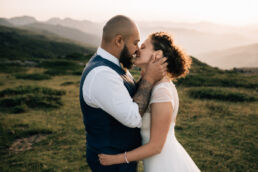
(125, 58)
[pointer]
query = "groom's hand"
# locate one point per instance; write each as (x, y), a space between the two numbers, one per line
(156, 69)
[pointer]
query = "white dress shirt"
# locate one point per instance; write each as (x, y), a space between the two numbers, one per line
(104, 88)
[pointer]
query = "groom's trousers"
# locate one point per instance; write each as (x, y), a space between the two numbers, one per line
(95, 166)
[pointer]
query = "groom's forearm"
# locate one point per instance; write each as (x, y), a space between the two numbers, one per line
(142, 95)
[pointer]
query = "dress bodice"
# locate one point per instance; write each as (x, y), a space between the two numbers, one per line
(162, 92)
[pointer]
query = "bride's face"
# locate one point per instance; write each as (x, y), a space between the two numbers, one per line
(145, 52)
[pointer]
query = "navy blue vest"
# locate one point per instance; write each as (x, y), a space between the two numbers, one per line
(103, 132)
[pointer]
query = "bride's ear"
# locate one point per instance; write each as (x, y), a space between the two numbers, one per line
(158, 54)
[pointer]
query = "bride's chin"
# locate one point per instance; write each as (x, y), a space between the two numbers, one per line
(139, 65)
(136, 64)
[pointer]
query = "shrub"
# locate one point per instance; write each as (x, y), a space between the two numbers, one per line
(221, 95)
(19, 108)
(226, 80)
(11, 68)
(62, 67)
(70, 83)
(21, 90)
(35, 76)
(78, 56)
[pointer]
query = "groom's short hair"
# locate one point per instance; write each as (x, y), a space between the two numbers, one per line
(118, 25)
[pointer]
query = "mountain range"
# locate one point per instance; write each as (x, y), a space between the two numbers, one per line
(204, 40)
(52, 26)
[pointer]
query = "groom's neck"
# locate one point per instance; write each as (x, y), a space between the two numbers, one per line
(113, 51)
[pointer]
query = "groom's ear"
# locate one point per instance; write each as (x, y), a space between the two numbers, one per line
(119, 42)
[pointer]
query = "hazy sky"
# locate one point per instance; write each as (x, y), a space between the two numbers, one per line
(236, 12)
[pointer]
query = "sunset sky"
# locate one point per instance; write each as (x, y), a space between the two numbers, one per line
(233, 12)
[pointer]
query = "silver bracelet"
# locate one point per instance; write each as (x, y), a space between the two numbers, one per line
(126, 160)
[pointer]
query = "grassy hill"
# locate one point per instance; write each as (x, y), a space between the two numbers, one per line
(204, 75)
(4, 22)
(41, 126)
(23, 44)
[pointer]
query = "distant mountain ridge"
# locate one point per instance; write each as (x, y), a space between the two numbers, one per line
(23, 20)
(237, 57)
(68, 32)
(84, 25)
(195, 42)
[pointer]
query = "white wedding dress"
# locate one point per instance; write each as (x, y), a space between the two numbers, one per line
(173, 157)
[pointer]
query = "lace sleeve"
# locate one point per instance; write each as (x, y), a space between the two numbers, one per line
(161, 94)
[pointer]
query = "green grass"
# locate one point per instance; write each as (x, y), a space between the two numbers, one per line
(70, 83)
(34, 76)
(219, 135)
(23, 98)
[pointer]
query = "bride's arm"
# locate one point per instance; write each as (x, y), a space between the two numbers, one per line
(160, 122)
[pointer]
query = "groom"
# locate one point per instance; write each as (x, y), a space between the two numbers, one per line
(112, 107)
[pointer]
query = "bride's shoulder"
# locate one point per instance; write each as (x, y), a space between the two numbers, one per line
(163, 87)
(162, 92)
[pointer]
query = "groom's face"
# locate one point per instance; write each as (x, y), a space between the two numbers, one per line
(130, 49)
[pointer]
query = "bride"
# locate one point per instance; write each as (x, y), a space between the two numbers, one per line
(160, 150)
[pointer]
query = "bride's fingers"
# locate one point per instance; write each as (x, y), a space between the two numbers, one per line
(103, 159)
(152, 59)
(158, 56)
(103, 162)
(101, 155)
(163, 60)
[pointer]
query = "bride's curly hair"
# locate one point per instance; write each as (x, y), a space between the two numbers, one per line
(178, 62)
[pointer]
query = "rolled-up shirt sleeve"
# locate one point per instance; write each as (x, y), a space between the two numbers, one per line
(104, 88)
